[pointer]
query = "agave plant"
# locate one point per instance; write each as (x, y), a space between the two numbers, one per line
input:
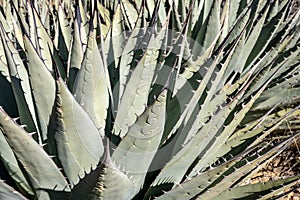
(165, 99)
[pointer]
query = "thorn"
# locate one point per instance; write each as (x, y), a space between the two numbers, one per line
(42, 145)
(178, 184)
(188, 178)
(15, 119)
(31, 134)
(23, 126)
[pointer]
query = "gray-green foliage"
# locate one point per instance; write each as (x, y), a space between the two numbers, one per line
(167, 99)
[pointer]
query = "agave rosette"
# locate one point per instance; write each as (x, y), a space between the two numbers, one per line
(146, 99)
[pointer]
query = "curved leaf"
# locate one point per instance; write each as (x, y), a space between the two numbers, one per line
(6, 192)
(79, 145)
(41, 81)
(91, 87)
(33, 158)
(141, 142)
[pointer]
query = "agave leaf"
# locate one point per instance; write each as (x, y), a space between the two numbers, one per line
(295, 37)
(253, 38)
(211, 106)
(283, 3)
(6, 21)
(3, 62)
(111, 182)
(207, 8)
(125, 61)
(213, 101)
(260, 158)
(188, 101)
(266, 35)
(63, 37)
(136, 92)
(233, 12)
(175, 56)
(24, 148)
(272, 128)
(39, 36)
(65, 27)
(90, 87)
(46, 47)
(18, 34)
(21, 86)
(210, 28)
(142, 142)
(114, 181)
(7, 192)
(288, 187)
(104, 13)
(256, 9)
(213, 25)
(8, 101)
(239, 26)
(273, 10)
(277, 54)
(285, 87)
(245, 47)
(288, 96)
(179, 48)
(162, 12)
(251, 130)
(214, 182)
(187, 189)
(128, 53)
(175, 16)
(105, 29)
(194, 66)
(79, 145)
(261, 139)
(181, 9)
(147, 31)
(213, 151)
(84, 28)
(76, 54)
(32, 25)
(197, 11)
(278, 68)
(234, 66)
(130, 13)
(167, 61)
(117, 36)
(290, 118)
(225, 19)
(179, 164)
(141, 21)
(12, 166)
(254, 191)
(289, 23)
(43, 11)
(41, 80)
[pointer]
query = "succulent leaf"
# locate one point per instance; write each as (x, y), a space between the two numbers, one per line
(79, 145)
(11, 164)
(35, 166)
(6, 192)
(142, 142)
(21, 87)
(41, 80)
(136, 93)
(91, 87)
